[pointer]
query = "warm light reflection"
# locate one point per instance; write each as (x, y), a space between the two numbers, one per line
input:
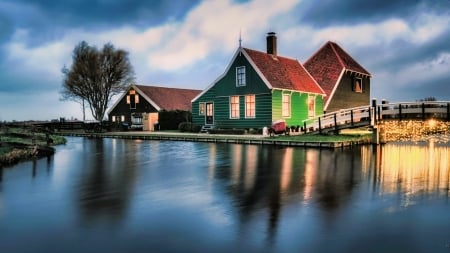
(413, 169)
(251, 166)
(286, 168)
(310, 173)
(212, 161)
(236, 163)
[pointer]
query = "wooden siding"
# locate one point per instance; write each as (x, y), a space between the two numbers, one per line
(344, 96)
(220, 94)
(299, 106)
(122, 108)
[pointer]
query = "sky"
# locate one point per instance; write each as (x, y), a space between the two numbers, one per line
(404, 44)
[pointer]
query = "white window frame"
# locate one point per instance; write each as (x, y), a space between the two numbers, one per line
(202, 109)
(250, 106)
(286, 112)
(241, 76)
(311, 113)
(234, 107)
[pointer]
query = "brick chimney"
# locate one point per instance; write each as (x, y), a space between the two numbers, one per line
(272, 43)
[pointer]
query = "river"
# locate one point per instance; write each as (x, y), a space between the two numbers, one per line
(115, 195)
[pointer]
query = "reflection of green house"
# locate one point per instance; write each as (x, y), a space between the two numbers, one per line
(258, 88)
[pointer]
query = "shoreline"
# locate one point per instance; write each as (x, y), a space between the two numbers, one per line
(290, 141)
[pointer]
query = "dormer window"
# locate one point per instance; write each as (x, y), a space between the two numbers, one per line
(240, 76)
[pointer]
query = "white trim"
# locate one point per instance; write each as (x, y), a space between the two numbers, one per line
(147, 98)
(238, 107)
(244, 81)
(218, 78)
(334, 89)
(239, 51)
(138, 91)
(260, 74)
(314, 103)
(290, 105)
(245, 106)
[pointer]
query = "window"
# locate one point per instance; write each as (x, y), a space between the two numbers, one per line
(128, 99)
(311, 106)
(113, 118)
(122, 118)
(136, 99)
(286, 105)
(234, 107)
(357, 85)
(201, 109)
(250, 106)
(240, 76)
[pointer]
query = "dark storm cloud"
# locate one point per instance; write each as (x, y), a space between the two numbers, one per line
(46, 18)
(332, 12)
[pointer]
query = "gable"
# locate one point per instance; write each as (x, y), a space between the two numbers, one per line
(329, 64)
(162, 98)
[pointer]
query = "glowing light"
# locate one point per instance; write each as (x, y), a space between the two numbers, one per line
(431, 123)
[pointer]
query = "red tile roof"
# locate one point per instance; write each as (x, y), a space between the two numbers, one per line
(169, 98)
(327, 64)
(284, 73)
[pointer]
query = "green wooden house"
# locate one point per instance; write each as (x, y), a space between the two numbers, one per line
(258, 88)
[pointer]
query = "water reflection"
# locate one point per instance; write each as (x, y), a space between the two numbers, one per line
(107, 181)
(243, 198)
(412, 170)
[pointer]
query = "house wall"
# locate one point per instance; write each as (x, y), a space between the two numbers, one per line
(344, 96)
(299, 106)
(122, 108)
(225, 87)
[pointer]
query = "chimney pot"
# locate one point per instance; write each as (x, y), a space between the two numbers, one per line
(272, 43)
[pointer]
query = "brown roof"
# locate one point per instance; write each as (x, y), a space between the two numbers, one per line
(169, 98)
(327, 64)
(284, 73)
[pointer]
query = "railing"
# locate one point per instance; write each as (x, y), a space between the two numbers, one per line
(417, 110)
(348, 118)
(368, 115)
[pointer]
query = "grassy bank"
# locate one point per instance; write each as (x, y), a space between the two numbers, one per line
(17, 144)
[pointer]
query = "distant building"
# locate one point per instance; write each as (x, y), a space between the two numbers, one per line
(139, 106)
(345, 82)
(258, 88)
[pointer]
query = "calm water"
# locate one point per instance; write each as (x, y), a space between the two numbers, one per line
(155, 196)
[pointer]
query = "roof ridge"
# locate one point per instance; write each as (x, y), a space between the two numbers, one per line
(278, 56)
(337, 54)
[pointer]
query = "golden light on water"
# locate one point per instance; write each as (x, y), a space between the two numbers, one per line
(413, 169)
(431, 123)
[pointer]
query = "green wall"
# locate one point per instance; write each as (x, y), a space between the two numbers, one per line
(268, 101)
(299, 106)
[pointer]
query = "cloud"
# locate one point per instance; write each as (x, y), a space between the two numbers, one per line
(205, 30)
(189, 43)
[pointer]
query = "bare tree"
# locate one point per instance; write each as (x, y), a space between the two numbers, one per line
(96, 76)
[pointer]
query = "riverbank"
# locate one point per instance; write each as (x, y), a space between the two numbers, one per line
(18, 144)
(345, 139)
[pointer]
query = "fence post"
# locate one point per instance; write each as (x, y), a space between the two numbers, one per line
(374, 106)
(351, 117)
(423, 111)
(320, 126)
(304, 126)
(335, 124)
(448, 111)
(399, 111)
(383, 107)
